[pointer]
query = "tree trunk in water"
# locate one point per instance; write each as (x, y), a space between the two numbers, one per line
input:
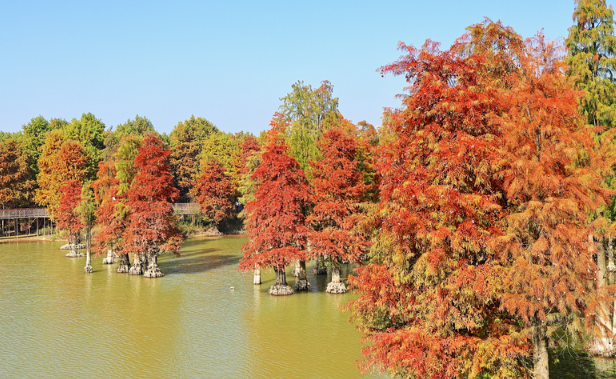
(136, 268)
(281, 288)
(302, 281)
(541, 369)
(88, 267)
(336, 286)
(74, 246)
(109, 259)
(320, 268)
(257, 276)
(602, 345)
(124, 266)
(297, 268)
(153, 270)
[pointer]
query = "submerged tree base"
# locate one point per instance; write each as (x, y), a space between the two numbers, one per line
(123, 268)
(74, 254)
(336, 288)
(302, 285)
(281, 290)
(88, 269)
(135, 270)
(109, 259)
(153, 273)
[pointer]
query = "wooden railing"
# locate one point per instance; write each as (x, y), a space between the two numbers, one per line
(12, 214)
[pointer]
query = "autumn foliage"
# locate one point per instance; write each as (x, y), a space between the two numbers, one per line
(214, 193)
(151, 222)
(68, 218)
(485, 194)
(276, 217)
(338, 191)
(109, 214)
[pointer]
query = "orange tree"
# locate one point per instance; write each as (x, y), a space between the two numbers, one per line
(338, 190)
(16, 179)
(485, 192)
(68, 218)
(61, 160)
(429, 301)
(151, 222)
(276, 216)
(552, 172)
(214, 193)
(106, 196)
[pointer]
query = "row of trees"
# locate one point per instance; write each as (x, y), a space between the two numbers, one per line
(481, 211)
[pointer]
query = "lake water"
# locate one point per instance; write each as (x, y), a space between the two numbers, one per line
(56, 321)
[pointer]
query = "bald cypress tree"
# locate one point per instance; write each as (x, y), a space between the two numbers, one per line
(592, 60)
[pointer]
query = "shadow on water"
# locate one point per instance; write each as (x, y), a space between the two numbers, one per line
(568, 364)
(202, 263)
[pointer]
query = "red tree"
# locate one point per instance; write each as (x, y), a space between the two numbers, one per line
(214, 193)
(485, 193)
(276, 217)
(109, 215)
(429, 303)
(151, 228)
(68, 219)
(338, 189)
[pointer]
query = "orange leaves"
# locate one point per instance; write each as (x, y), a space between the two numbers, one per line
(151, 223)
(276, 219)
(68, 219)
(214, 192)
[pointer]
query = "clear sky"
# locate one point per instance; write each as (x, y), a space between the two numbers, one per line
(227, 61)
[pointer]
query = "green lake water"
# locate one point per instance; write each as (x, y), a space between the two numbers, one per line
(58, 322)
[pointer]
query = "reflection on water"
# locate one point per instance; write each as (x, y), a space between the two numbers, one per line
(56, 321)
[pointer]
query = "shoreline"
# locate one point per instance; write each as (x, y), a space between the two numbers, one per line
(63, 239)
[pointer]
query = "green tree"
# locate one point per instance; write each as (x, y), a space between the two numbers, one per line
(90, 133)
(34, 134)
(138, 126)
(592, 60)
(186, 142)
(307, 111)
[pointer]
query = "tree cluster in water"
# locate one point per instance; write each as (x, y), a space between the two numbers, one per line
(480, 213)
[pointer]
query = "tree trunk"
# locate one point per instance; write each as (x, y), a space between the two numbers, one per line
(541, 369)
(153, 270)
(109, 259)
(611, 279)
(137, 267)
(336, 286)
(281, 288)
(602, 345)
(124, 265)
(302, 281)
(257, 276)
(297, 268)
(73, 243)
(88, 267)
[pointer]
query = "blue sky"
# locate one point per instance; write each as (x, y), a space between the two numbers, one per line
(227, 61)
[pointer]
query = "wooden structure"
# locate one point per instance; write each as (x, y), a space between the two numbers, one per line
(20, 221)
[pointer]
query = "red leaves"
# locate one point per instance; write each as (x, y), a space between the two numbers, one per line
(68, 219)
(151, 220)
(276, 221)
(214, 192)
(338, 192)
(486, 185)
